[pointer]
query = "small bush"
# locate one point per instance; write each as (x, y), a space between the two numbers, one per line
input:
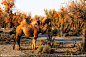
(29, 48)
(12, 32)
(40, 42)
(39, 50)
(12, 36)
(54, 46)
(51, 50)
(78, 47)
(72, 33)
(45, 49)
(50, 43)
(58, 43)
(3, 39)
(21, 48)
(65, 34)
(5, 42)
(68, 52)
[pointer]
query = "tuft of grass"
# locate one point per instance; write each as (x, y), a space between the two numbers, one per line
(3, 39)
(51, 50)
(54, 46)
(58, 43)
(6, 42)
(12, 32)
(78, 47)
(45, 49)
(72, 33)
(21, 48)
(40, 42)
(39, 50)
(68, 52)
(12, 36)
(29, 48)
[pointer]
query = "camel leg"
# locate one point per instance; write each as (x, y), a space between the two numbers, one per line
(33, 43)
(14, 43)
(18, 41)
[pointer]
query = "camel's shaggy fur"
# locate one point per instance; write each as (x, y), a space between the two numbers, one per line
(31, 29)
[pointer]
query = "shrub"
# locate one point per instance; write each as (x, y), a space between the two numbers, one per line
(3, 39)
(65, 34)
(29, 48)
(45, 49)
(12, 36)
(5, 42)
(12, 32)
(78, 47)
(51, 50)
(54, 46)
(50, 43)
(39, 50)
(68, 52)
(21, 48)
(40, 42)
(58, 42)
(72, 33)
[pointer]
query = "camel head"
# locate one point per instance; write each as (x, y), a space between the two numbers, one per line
(44, 25)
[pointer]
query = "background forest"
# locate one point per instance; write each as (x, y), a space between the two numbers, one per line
(69, 20)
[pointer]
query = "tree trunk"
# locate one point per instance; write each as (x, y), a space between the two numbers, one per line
(84, 40)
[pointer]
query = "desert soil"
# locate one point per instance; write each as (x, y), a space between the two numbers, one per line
(7, 49)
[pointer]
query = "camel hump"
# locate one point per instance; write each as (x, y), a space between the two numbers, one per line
(34, 22)
(37, 22)
(24, 21)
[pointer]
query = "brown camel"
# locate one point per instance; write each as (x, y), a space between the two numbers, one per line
(31, 29)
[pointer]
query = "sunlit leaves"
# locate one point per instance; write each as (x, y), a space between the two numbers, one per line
(53, 15)
(73, 15)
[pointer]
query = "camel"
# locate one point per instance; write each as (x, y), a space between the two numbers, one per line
(31, 30)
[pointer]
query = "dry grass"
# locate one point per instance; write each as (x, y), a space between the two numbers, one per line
(77, 47)
(44, 50)
(40, 42)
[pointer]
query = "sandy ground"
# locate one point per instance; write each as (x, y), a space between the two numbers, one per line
(7, 49)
